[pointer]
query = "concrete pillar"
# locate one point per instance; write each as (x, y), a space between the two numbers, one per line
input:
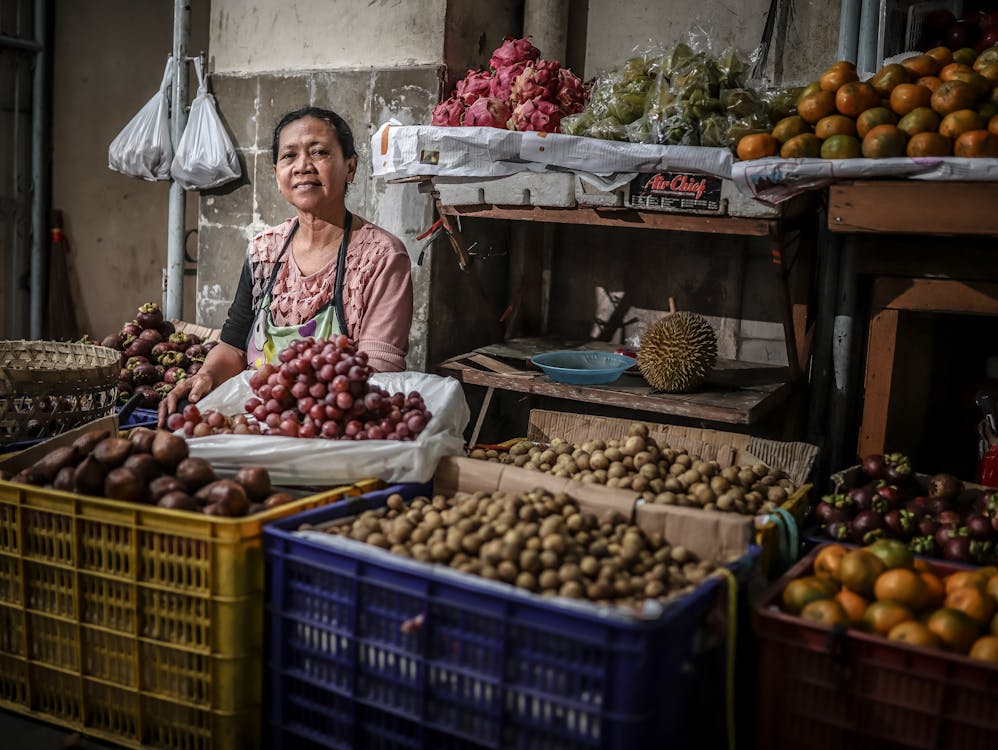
(546, 23)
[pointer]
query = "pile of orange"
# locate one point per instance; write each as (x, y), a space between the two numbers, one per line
(882, 589)
(941, 103)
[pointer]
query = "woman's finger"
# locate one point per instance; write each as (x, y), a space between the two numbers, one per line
(200, 385)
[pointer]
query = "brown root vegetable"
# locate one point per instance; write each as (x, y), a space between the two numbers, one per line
(276, 499)
(141, 438)
(230, 495)
(64, 479)
(89, 476)
(164, 485)
(256, 481)
(178, 500)
(169, 449)
(112, 451)
(124, 484)
(86, 442)
(45, 470)
(144, 466)
(195, 473)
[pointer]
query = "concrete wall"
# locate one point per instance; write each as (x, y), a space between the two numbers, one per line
(108, 61)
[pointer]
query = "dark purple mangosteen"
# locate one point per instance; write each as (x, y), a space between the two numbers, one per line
(874, 466)
(979, 527)
(149, 316)
(957, 549)
(867, 527)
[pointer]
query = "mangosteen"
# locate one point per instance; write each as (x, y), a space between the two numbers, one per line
(944, 534)
(124, 392)
(151, 334)
(149, 398)
(145, 374)
(927, 525)
(862, 496)
(945, 485)
(897, 468)
(918, 505)
(132, 362)
(867, 527)
(193, 369)
(173, 359)
(949, 518)
(982, 553)
(874, 466)
(979, 527)
(939, 505)
(113, 341)
(924, 545)
(163, 389)
(193, 339)
(900, 523)
(957, 548)
(149, 316)
(131, 329)
(174, 375)
(196, 353)
(180, 340)
(166, 328)
(209, 345)
(139, 348)
(839, 530)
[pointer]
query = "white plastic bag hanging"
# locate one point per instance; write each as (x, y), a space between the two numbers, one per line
(143, 147)
(205, 156)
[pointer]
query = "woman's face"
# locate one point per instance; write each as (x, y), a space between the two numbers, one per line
(311, 172)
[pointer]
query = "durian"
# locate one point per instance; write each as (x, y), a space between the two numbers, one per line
(677, 352)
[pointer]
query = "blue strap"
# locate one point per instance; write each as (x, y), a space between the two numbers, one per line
(789, 546)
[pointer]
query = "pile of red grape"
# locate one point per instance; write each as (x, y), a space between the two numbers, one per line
(196, 423)
(321, 389)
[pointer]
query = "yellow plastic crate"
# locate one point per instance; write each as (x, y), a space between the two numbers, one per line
(135, 624)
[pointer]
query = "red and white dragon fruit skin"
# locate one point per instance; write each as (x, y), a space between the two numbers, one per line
(449, 113)
(475, 84)
(539, 80)
(513, 51)
(502, 81)
(536, 114)
(571, 96)
(488, 111)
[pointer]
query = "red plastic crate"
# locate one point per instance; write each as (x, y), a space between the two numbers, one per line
(823, 688)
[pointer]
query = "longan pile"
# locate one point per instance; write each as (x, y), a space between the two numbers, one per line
(538, 541)
(659, 473)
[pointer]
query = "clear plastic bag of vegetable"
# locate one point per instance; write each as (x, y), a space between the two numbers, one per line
(609, 129)
(641, 131)
(577, 124)
(714, 131)
(781, 101)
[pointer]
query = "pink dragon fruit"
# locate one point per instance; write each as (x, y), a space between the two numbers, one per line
(536, 114)
(488, 111)
(513, 51)
(475, 84)
(448, 113)
(502, 81)
(571, 96)
(538, 80)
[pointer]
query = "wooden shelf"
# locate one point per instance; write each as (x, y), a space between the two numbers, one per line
(735, 393)
(619, 217)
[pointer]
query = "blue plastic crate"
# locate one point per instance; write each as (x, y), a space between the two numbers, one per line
(490, 666)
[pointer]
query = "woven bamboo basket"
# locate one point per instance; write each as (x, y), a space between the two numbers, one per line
(47, 387)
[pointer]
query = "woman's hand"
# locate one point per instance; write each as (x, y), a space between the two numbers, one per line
(223, 362)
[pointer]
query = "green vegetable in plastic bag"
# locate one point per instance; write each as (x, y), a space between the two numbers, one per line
(731, 69)
(609, 129)
(641, 130)
(577, 124)
(626, 107)
(714, 131)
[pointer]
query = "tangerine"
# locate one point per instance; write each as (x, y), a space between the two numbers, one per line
(903, 586)
(853, 98)
(955, 629)
(859, 570)
(930, 82)
(788, 127)
(852, 604)
(993, 628)
(921, 65)
(989, 72)
(908, 96)
(919, 120)
(914, 634)
(893, 552)
(802, 591)
(803, 146)
(883, 141)
(987, 57)
(985, 648)
(836, 77)
(881, 617)
(965, 55)
(973, 602)
(811, 88)
(889, 76)
(827, 611)
(946, 72)
(812, 107)
(841, 147)
(951, 96)
(935, 592)
(965, 578)
(991, 587)
(959, 122)
(976, 81)
(826, 562)
(757, 146)
(873, 117)
(942, 55)
(826, 127)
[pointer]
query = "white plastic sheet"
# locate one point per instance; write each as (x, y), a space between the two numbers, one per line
(318, 462)
(143, 147)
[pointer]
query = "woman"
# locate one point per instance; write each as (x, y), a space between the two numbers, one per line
(321, 273)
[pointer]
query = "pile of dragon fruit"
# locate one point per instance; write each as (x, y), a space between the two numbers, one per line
(519, 91)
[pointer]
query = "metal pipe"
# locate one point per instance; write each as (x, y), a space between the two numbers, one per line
(842, 354)
(869, 27)
(848, 30)
(15, 318)
(19, 45)
(829, 251)
(546, 23)
(174, 297)
(40, 165)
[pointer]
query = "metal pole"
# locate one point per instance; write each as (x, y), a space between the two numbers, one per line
(40, 163)
(869, 27)
(174, 300)
(848, 30)
(15, 301)
(842, 355)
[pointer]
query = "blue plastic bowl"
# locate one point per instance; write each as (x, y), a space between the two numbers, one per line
(583, 367)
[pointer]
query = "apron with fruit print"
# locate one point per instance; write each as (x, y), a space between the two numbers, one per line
(267, 339)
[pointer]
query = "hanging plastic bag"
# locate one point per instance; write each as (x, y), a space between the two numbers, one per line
(143, 147)
(205, 156)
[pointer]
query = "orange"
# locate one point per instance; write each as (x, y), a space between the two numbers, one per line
(987, 57)
(951, 96)
(919, 564)
(930, 82)
(903, 586)
(965, 578)
(757, 146)
(976, 81)
(942, 55)
(873, 117)
(826, 562)
(883, 142)
(914, 634)
(993, 628)
(929, 144)
(935, 592)
(853, 605)
(811, 88)
(889, 76)
(991, 587)
(919, 120)
(802, 591)
(859, 570)
(852, 99)
(976, 143)
(964, 55)
(921, 65)
(987, 110)
(973, 602)
(959, 122)
(955, 630)
(788, 127)
(985, 648)
(812, 107)
(841, 147)
(908, 96)
(990, 73)
(826, 127)
(803, 146)
(826, 611)
(881, 617)
(947, 72)
(836, 77)
(993, 125)
(893, 552)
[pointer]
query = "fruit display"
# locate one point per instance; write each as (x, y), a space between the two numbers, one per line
(538, 541)
(154, 356)
(884, 590)
(935, 516)
(977, 29)
(678, 352)
(659, 473)
(197, 423)
(519, 91)
(940, 103)
(152, 467)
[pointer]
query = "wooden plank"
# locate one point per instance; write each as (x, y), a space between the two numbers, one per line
(617, 217)
(903, 206)
(879, 374)
(936, 295)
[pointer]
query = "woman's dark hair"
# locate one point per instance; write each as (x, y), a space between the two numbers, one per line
(337, 123)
